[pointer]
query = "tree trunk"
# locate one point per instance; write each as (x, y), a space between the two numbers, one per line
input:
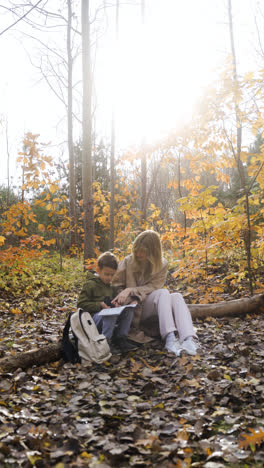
(144, 155)
(8, 165)
(237, 307)
(143, 185)
(51, 353)
(113, 141)
(180, 195)
(70, 137)
(88, 209)
(237, 155)
(37, 357)
(112, 187)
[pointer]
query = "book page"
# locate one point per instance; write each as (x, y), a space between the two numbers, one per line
(115, 310)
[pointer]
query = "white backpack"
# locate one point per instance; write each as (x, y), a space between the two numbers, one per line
(89, 344)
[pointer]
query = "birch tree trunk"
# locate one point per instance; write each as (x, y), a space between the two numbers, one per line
(88, 209)
(8, 165)
(72, 201)
(144, 155)
(237, 153)
(113, 145)
(146, 188)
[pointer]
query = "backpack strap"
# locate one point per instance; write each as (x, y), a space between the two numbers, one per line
(69, 351)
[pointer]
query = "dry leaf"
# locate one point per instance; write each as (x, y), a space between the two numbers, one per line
(255, 438)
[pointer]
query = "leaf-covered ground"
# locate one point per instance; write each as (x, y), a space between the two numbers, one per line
(145, 409)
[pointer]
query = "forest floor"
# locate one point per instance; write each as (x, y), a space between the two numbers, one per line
(142, 409)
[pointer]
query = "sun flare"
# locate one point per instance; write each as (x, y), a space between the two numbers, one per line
(153, 80)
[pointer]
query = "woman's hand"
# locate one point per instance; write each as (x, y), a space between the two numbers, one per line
(121, 298)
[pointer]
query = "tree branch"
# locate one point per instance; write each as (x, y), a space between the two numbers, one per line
(20, 19)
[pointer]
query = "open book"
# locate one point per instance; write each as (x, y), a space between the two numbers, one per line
(114, 310)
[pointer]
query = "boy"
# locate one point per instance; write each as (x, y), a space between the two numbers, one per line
(92, 299)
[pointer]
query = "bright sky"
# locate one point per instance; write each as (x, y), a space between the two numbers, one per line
(161, 69)
(163, 66)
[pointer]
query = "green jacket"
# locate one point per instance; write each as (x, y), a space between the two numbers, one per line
(93, 292)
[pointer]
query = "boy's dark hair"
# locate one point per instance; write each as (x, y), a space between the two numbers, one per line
(107, 259)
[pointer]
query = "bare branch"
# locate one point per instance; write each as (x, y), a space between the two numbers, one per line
(20, 19)
(51, 87)
(55, 52)
(254, 179)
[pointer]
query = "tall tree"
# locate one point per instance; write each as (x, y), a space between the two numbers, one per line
(88, 209)
(72, 197)
(52, 65)
(143, 155)
(146, 188)
(237, 152)
(113, 141)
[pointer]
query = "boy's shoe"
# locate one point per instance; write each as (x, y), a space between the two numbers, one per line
(114, 349)
(190, 346)
(174, 347)
(124, 345)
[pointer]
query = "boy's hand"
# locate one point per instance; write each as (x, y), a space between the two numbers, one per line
(104, 306)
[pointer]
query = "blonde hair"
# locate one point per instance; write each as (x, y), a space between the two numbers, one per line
(149, 242)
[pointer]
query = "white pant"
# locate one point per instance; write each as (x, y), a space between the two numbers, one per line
(172, 311)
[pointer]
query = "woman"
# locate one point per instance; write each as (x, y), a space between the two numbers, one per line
(141, 276)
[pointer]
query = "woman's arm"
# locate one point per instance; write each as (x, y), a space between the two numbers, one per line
(119, 279)
(122, 297)
(154, 282)
(120, 283)
(132, 291)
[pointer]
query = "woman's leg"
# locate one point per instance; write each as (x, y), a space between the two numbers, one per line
(182, 317)
(173, 315)
(159, 303)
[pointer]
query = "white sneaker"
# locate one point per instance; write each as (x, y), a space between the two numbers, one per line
(175, 347)
(190, 346)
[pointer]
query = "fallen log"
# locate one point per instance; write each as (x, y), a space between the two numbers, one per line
(43, 355)
(53, 352)
(234, 308)
(237, 307)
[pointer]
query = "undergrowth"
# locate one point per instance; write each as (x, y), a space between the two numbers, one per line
(41, 279)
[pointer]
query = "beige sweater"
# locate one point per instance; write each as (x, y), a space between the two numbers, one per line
(142, 282)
